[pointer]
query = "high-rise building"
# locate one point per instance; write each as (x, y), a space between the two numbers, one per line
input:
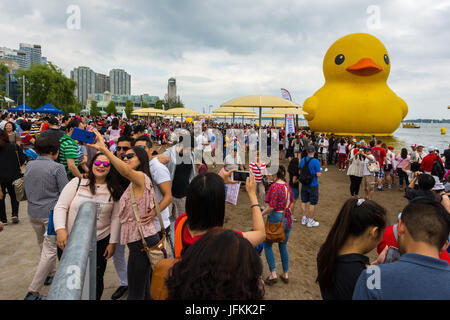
(102, 83)
(85, 78)
(172, 89)
(17, 55)
(33, 54)
(120, 82)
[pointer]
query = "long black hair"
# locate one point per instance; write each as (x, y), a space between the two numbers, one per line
(293, 167)
(205, 202)
(404, 153)
(4, 139)
(221, 265)
(112, 180)
(142, 155)
(352, 220)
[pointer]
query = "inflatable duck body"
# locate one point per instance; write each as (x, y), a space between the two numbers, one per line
(355, 99)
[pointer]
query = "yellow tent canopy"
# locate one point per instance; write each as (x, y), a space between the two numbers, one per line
(180, 112)
(148, 112)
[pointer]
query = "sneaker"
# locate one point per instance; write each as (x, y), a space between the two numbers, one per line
(311, 223)
(304, 220)
(30, 296)
(5, 223)
(119, 292)
(389, 186)
(380, 188)
(326, 169)
(15, 219)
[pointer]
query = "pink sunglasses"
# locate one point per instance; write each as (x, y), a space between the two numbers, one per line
(98, 163)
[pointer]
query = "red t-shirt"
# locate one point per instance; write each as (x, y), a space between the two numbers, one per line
(44, 127)
(428, 162)
(187, 238)
(389, 240)
(379, 153)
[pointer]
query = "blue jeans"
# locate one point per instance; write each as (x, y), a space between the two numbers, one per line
(282, 246)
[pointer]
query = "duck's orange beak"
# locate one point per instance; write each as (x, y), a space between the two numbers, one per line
(365, 67)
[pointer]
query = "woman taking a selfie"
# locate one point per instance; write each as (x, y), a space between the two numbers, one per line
(134, 166)
(100, 187)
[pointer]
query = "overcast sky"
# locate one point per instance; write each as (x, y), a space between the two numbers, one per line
(220, 50)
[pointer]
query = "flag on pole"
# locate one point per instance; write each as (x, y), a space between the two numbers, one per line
(285, 94)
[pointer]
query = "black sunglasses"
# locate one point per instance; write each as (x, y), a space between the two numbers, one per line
(128, 156)
(123, 148)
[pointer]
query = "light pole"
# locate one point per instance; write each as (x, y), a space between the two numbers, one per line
(23, 95)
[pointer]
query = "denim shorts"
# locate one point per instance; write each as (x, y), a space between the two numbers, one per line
(380, 174)
(310, 194)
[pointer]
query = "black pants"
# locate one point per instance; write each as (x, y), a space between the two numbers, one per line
(101, 264)
(402, 175)
(14, 203)
(355, 183)
(139, 270)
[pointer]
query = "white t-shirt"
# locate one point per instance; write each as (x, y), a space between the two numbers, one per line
(366, 162)
(200, 140)
(341, 148)
(2, 124)
(253, 141)
(325, 144)
(160, 174)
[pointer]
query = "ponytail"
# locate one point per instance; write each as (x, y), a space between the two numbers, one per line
(353, 219)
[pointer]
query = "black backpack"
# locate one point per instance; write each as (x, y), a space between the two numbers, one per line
(305, 176)
(438, 169)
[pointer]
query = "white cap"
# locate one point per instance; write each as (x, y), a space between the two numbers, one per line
(431, 149)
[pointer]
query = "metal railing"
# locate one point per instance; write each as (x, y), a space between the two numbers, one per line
(75, 278)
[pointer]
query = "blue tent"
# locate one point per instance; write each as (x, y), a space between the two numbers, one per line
(49, 108)
(20, 109)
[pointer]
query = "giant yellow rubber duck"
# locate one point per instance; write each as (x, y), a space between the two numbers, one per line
(355, 99)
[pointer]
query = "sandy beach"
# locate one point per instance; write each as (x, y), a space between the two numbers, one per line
(19, 252)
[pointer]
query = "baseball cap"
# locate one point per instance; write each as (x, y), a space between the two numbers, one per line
(431, 149)
(368, 149)
(420, 145)
(413, 145)
(391, 148)
(53, 121)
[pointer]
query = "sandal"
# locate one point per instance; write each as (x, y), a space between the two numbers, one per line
(269, 281)
(285, 280)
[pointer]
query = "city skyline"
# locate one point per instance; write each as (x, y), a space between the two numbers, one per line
(220, 51)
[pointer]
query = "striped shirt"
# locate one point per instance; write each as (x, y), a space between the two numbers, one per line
(68, 150)
(258, 172)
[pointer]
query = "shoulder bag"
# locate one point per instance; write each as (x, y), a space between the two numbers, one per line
(373, 167)
(275, 230)
(18, 184)
(162, 249)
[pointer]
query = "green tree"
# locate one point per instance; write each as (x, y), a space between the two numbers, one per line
(129, 109)
(47, 84)
(145, 105)
(95, 111)
(159, 104)
(76, 108)
(111, 107)
(3, 73)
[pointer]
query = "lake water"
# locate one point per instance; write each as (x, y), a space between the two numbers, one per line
(428, 134)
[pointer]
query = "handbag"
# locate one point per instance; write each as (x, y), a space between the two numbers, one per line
(162, 249)
(275, 230)
(18, 184)
(373, 167)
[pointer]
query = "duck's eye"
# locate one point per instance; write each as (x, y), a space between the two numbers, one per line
(386, 59)
(339, 59)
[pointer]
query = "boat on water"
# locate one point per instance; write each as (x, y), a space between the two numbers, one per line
(411, 125)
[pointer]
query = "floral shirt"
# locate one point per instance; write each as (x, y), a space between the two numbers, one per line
(276, 198)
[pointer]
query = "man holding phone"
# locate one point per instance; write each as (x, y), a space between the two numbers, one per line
(419, 274)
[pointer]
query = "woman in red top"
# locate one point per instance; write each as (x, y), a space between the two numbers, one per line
(205, 210)
(279, 197)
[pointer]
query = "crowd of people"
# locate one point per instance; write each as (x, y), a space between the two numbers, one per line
(132, 171)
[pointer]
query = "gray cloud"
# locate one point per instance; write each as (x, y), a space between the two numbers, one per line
(219, 50)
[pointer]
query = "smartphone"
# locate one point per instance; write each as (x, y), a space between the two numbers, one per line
(392, 255)
(240, 175)
(83, 135)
